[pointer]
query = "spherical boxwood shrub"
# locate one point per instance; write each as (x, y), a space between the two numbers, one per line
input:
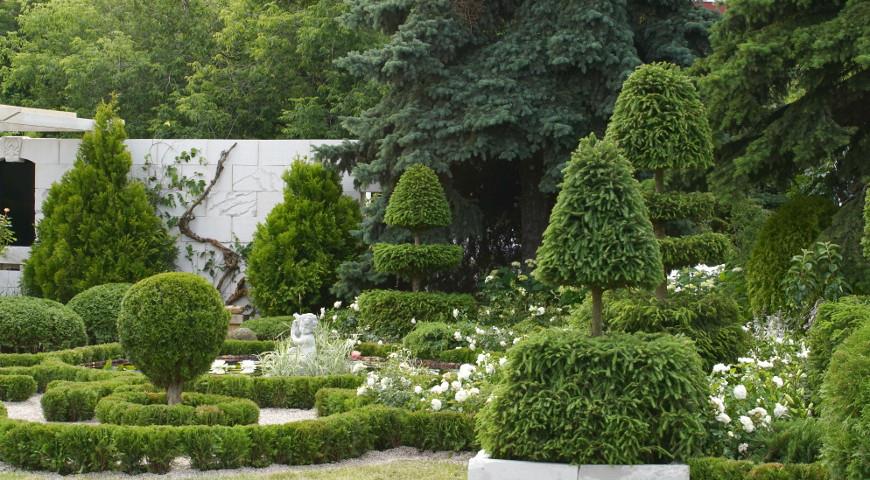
(846, 408)
(148, 408)
(16, 388)
(98, 306)
(389, 313)
(834, 322)
(429, 339)
(29, 324)
(270, 328)
(172, 326)
(616, 399)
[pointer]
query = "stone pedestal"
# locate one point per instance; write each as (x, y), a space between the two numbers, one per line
(236, 317)
(482, 467)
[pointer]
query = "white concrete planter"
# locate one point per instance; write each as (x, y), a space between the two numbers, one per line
(482, 467)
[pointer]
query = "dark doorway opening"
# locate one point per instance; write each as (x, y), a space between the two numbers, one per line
(17, 188)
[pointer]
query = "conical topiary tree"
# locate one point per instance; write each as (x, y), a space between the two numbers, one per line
(660, 123)
(599, 235)
(99, 226)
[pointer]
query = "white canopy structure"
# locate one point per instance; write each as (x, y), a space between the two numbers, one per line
(23, 119)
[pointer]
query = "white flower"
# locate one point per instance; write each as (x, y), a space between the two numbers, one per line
(371, 380)
(248, 366)
(334, 318)
(436, 404)
(481, 358)
(461, 396)
(541, 311)
(777, 381)
(418, 389)
(522, 291)
(779, 410)
(718, 402)
(354, 306)
(804, 353)
(380, 342)
(502, 361)
(479, 331)
(474, 391)
(386, 382)
(759, 412)
(502, 343)
(361, 391)
(218, 367)
(723, 417)
(472, 346)
(740, 392)
(516, 340)
(489, 369)
(748, 426)
(413, 321)
(745, 328)
(436, 389)
(488, 279)
(465, 371)
(748, 360)
(721, 367)
(445, 386)
(455, 313)
(765, 364)
(457, 336)
(337, 304)
(357, 367)
(515, 264)
(456, 385)
(743, 447)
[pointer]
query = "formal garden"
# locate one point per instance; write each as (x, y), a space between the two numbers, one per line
(683, 293)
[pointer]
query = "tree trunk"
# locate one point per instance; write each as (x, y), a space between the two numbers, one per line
(416, 281)
(660, 180)
(534, 207)
(173, 393)
(662, 288)
(596, 311)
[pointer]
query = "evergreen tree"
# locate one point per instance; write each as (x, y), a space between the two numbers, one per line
(99, 226)
(296, 251)
(660, 123)
(599, 234)
(493, 96)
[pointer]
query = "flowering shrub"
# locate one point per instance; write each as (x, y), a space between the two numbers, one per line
(245, 367)
(759, 390)
(698, 279)
(511, 294)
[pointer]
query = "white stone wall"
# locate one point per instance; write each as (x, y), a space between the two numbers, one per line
(249, 187)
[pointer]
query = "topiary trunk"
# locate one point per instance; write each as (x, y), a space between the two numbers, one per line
(173, 393)
(596, 311)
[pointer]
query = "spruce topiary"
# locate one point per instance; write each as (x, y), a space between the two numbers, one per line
(660, 123)
(792, 227)
(297, 249)
(99, 306)
(99, 226)
(599, 234)
(172, 326)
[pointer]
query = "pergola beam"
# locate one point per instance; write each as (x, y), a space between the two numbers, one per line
(23, 119)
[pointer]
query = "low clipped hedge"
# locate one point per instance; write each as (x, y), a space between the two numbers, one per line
(834, 322)
(246, 347)
(329, 401)
(273, 392)
(714, 468)
(66, 401)
(150, 408)
(409, 260)
(53, 369)
(617, 399)
(269, 328)
(99, 306)
(388, 313)
(77, 448)
(16, 388)
(846, 408)
(30, 325)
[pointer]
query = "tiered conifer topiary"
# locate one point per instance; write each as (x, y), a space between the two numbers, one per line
(599, 234)
(417, 204)
(660, 123)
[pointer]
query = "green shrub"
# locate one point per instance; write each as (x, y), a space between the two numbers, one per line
(409, 261)
(99, 306)
(418, 202)
(712, 321)
(16, 388)
(670, 206)
(795, 441)
(429, 339)
(713, 468)
(246, 347)
(147, 408)
(172, 326)
(329, 401)
(846, 408)
(269, 328)
(99, 225)
(29, 324)
(707, 248)
(52, 369)
(846, 230)
(371, 349)
(388, 313)
(273, 392)
(792, 227)
(297, 249)
(834, 322)
(619, 399)
(3, 413)
(70, 401)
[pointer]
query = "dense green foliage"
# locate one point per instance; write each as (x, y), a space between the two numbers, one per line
(418, 202)
(388, 313)
(835, 321)
(270, 328)
(795, 441)
(618, 399)
(99, 306)
(846, 408)
(172, 326)
(429, 339)
(16, 388)
(29, 324)
(330, 401)
(846, 230)
(865, 240)
(711, 320)
(298, 248)
(7, 235)
(98, 225)
(273, 392)
(708, 248)
(794, 226)
(134, 407)
(659, 121)
(667, 206)
(786, 85)
(408, 260)
(705, 468)
(73, 401)
(814, 275)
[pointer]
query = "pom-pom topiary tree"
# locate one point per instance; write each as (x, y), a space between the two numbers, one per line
(660, 123)
(599, 235)
(172, 326)
(99, 306)
(297, 249)
(99, 226)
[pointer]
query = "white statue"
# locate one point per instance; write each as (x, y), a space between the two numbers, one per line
(302, 333)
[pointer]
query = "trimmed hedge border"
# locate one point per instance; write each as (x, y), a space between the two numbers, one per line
(273, 392)
(93, 448)
(66, 401)
(16, 388)
(330, 401)
(714, 468)
(150, 408)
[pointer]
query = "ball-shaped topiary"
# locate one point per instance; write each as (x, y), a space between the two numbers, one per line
(99, 306)
(846, 408)
(418, 201)
(794, 226)
(29, 324)
(172, 326)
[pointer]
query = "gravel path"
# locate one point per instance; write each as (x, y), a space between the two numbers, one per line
(31, 410)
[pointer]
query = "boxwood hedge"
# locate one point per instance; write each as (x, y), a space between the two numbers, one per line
(389, 313)
(99, 306)
(29, 325)
(16, 388)
(132, 407)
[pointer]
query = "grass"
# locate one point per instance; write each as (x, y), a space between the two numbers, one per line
(398, 470)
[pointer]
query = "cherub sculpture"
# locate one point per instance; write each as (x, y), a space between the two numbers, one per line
(302, 333)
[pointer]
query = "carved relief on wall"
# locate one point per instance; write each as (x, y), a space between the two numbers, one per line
(10, 148)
